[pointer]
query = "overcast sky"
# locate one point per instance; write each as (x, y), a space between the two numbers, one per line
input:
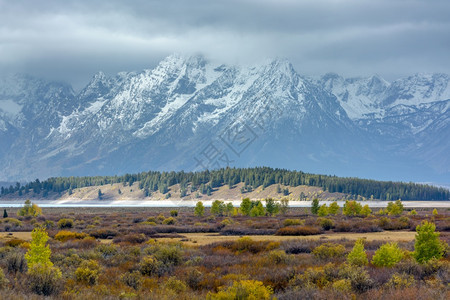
(71, 40)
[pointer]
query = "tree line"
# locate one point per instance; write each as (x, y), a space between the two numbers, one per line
(252, 178)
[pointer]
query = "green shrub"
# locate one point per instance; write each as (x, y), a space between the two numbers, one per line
(218, 208)
(230, 209)
(384, 222)
(49, 224)
(15, 262)
(14, 242)
(174, 213)
(352, 208)
(107, 251)
(358, 256)
(333, 209)
(381, 212)
(400, 281)
(247, 244)
(322, 211)
(194, 278)
(65, 223)
(388, 255)
(150, 266)
(199, 210)
(243, 289)
(329, 250)
(298, 230)
(44, 279)
(65, 235)
(360, 280)
(169, 254)
(366, 211)
(312, 277)
(175, 285)
(292, 222)
(342, 285)
(88, 272)
(3, 280)
(169, 221)
(152, 219)
(277, 257)
(132, 238)
(427, 245)
(29, 210)
(12, 221)
(325, 223)
(5, 251)
(226, 221)
(395, 209)
(148, 223)
(103, 233)
(132, 279)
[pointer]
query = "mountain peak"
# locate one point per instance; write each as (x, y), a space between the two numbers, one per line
(163, 117)
(99, 76)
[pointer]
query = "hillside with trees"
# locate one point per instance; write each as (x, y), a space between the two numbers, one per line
(248, 179)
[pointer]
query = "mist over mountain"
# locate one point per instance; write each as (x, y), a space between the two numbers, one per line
(190, 114)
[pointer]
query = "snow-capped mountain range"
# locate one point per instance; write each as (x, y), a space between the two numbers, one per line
(190, 114)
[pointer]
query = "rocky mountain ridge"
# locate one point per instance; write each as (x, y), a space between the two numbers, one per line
(190, 114)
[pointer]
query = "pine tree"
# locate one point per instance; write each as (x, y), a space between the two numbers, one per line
(5, 214)
(257, 210)
(218, 208)
(278, 189)
(284, 206)
(358, 256)
(388, 255)
(427, 244)
(272, 207)
(199, 209)
(315, 206)
(246, 206)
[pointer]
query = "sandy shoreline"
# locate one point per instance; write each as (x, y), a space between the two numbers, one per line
(191, 203)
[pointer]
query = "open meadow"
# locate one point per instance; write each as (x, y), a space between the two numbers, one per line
(225, 253)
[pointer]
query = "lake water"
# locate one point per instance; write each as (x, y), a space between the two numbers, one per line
(192, 203)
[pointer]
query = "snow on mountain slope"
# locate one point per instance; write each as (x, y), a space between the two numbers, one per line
(418, 89)
(162, 118)
(359, 97)
(370, 97)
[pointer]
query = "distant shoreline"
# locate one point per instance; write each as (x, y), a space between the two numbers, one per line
(207, 203)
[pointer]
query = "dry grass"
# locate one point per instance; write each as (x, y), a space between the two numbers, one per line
(18, 235)
(201, 239)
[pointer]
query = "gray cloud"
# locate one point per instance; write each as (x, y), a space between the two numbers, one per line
(71, 40)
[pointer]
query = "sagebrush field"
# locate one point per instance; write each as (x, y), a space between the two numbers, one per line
(225, 253)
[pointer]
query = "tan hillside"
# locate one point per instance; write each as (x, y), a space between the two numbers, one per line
(118, 191)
